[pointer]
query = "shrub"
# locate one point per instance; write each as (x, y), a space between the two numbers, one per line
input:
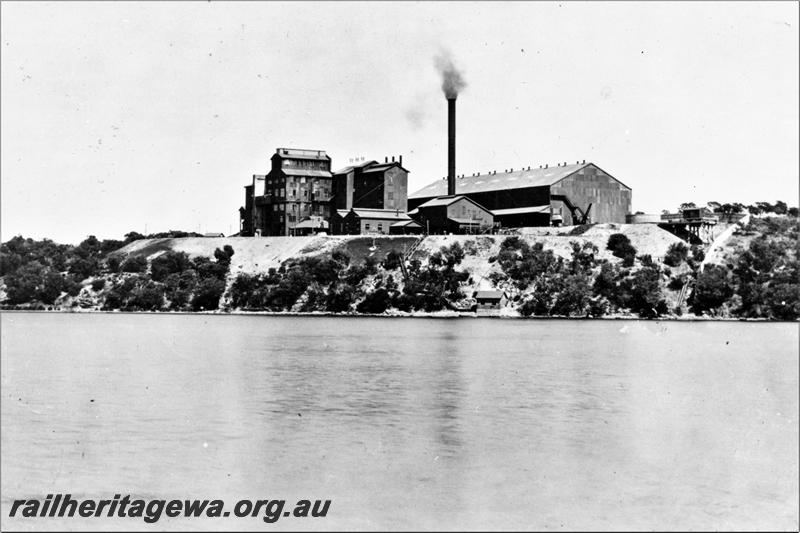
(392, 260)
(224, 256)
(574, 297)
(676, 254)
(113, 263)
(341, 257)
(283, 296)
(698, 254)
(375, 302)
(52, 285)
(83, 268)
(644, 293)
(207, 269)
(98, 284)
(149, 296)
(169, 263)
(783, 301)
(209, 291)
(340, 298)
(620, 246)
(583, 259)
(22, 285)
(134, 264)
(712, 289)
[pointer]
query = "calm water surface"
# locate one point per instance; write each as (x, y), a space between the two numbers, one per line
(406, 423)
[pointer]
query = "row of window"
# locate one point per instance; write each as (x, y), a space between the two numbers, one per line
(292, 181)
(309, 164)
(304, 209)
(379, 228)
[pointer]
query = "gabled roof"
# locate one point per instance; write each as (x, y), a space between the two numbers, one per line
(345, 170)
(384, 166)
(447, 200)
(441, 200)
(406, 224)
(489, 294)
(308, 223)
(522, 210)
(382, 214)
(519, 179)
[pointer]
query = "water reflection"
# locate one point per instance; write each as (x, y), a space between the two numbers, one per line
(409, 423)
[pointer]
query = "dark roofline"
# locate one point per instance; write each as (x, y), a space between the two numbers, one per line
(350, 168)
(294, 156)
(388, 165)
(581, 167)
(456, 198)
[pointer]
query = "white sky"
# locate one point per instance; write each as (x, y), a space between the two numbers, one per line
(133, 116)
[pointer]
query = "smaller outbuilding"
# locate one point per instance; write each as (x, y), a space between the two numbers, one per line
(489, 302)
(363, 221)
(453, 214)
(310, 226)
(491, 299)
(406, 227)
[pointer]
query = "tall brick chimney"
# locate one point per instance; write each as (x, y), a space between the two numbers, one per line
(451, 145)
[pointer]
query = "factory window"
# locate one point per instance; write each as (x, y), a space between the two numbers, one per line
(302, 180)
(380, 227)
(282, 207)
(366, 226)
(292, 218)
(391, 196)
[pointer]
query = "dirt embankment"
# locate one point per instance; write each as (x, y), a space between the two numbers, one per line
(259, 254)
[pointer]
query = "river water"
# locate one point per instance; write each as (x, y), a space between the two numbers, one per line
(405, 423)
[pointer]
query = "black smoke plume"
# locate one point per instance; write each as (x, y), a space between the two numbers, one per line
(452, 80)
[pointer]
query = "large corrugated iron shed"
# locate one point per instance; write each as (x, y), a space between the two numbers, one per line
(518, 179)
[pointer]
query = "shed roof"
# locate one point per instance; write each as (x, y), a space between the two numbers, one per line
(522, 210)
(445, 201)
(382, 214)
(519, 179)
(487, 295)
(347, 169)
(407, 224)
(384, 166)
(308, 223)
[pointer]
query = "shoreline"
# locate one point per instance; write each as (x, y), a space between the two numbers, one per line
(400, 314)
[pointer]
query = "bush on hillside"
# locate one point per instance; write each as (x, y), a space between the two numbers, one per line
(711, 290)
(620, 246)
(134, 264)
(207, 294)
(169, 263)
(676, 254)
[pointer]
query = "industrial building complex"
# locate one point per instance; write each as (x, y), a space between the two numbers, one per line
(302, 195)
